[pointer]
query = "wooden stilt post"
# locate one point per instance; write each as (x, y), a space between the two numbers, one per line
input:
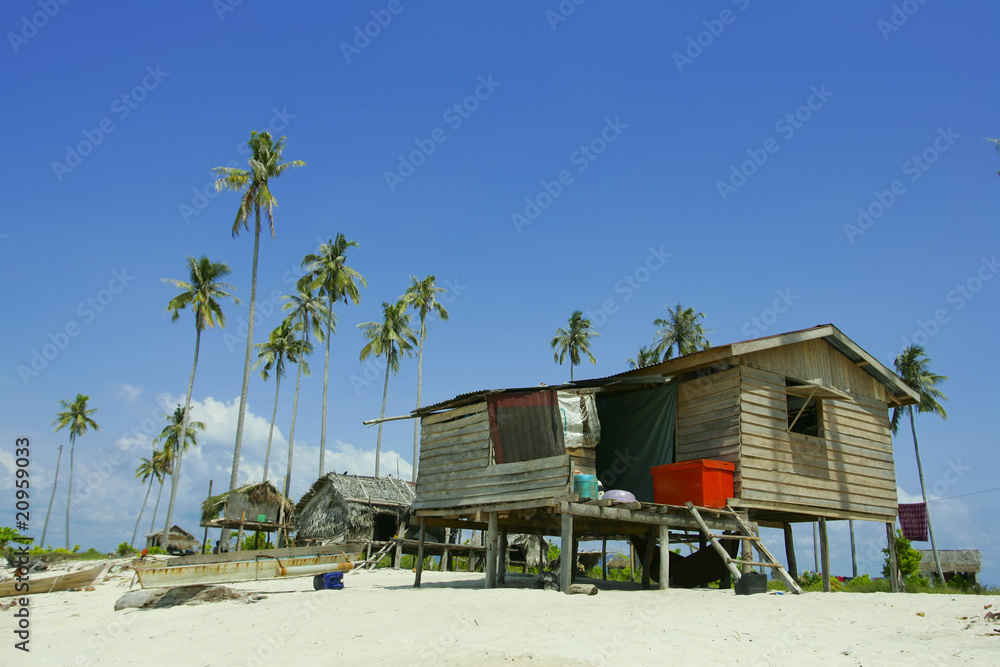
(400, 536)
(543, 555)
(420, 552)
(631, 562)
(566, 554)
(664, 556)
(815, 547)
(604, 560)
(502, 558)
(239, 536)
(824, 547)
(894, 584)
(854, 552)
(491, 551)
(793, 567)
(472, 551)
(205, 547)
(647, 557)
(446, 557)
(746, 552)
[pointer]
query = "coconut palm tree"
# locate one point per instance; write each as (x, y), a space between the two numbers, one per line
(389, 338)
(914, 368)
(201, 292)
(48, 512)
(283, 344)
(148, 470)
(647, 356)
(76, 417)
(162, 460)
(680, 332)
(173, 447)
(422, 296)
(307, 314)
(574, 341)
(328, 272)
(265, 163)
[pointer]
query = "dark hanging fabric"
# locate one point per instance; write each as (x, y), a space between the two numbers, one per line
(637, 433)
(913, 521)
(525, 426)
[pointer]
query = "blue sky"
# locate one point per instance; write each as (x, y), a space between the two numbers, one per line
(733, 146)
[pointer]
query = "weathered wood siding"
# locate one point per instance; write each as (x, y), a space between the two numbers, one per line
(455, 466)
(817, 361)
(708, 419)
(849, 471)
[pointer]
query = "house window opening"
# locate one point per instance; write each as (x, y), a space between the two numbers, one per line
(805, 411)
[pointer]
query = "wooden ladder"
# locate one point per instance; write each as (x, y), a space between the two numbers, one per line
(746, 535)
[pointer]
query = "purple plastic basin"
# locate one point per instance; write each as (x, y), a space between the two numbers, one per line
(614, 494)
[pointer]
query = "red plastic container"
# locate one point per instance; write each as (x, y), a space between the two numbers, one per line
(703, 482)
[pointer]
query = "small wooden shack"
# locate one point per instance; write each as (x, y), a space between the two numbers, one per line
(802, 416)
(253, 507)
(179, 540)
(352, 508)
(963, 563)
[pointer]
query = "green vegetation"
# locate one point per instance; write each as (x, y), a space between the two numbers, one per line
(908, 557)
(10, 535)
(75, 417)
(256, 541)
(574, 342)
(389, 338)
(265, 163)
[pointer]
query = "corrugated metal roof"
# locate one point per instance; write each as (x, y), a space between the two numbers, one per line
(662, 371)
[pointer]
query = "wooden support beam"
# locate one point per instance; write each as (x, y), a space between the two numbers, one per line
(502, 558)
(854, 551)
(894, 583)
(566, 553)
(400, 536)
(604, 560)
(445, 564)
(631, 562)
(420, 553)
(746, 549)
(824, 547)
(664, 557)
(491, 551)
(793, 567)
(647, 557)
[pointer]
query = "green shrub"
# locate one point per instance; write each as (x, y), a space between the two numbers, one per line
(908, 557)
(125, 549)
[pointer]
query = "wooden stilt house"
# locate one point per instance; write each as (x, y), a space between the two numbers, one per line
(801, 418)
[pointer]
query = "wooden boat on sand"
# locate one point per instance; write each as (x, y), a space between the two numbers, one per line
(63, 581)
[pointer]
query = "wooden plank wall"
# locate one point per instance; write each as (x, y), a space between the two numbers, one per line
(850, 469)
(817, 361)
(708, 419)
(456, 471)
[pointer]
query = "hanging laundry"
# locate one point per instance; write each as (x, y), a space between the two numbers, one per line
(913, 520)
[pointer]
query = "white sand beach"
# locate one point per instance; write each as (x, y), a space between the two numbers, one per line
(452, 620)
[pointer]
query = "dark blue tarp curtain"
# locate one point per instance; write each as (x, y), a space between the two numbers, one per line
(637, 433)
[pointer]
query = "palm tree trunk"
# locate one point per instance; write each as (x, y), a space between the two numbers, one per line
(55, 483)
(156, 507)
(291, 430)
(923, 490)
(69, 494)
(326, 382)
(224, 536)
(385, 394)
(181, 440)
(420, 380)
(854, 551)
(570, 370)
(274, 414)
(139, 518)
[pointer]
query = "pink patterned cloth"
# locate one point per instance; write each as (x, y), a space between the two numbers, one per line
(913, 521)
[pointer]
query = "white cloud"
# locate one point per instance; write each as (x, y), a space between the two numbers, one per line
(129, 392)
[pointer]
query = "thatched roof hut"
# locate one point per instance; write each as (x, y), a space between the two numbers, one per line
(352, 508)
(178, 540)
(261, 505)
